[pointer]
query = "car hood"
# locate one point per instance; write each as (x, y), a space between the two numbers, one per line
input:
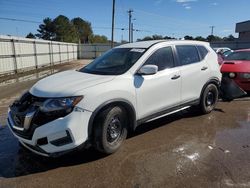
(67, 83)
(235, 66)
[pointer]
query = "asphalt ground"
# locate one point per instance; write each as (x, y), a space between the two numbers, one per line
(180, 150)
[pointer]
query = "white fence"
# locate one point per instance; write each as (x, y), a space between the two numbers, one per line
(91, 51)
(18, 53)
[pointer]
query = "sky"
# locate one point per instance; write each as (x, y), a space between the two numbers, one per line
(174, 18)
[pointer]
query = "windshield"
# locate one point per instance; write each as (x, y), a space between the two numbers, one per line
(115, 62)
(241, 56)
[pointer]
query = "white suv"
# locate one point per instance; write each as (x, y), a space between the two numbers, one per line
(127, 86)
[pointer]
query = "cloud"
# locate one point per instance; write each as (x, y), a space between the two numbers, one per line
(185, 1)
(214, 4)
(188, 7)
(157, 2)
(227, 31)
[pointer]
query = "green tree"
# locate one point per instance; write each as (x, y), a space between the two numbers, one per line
(98, 39)
(145, 38)
(200, 38)
(64, 30)
(157, 37)
(31, 36)
(229, 38)
(211, 38)
(187, 37)
(167, 37)
(46, 30)
(83, 28)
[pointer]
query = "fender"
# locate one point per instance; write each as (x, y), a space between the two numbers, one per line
(213, 80)
(119, 101)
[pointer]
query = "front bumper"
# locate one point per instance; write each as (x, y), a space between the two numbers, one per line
(58, 136)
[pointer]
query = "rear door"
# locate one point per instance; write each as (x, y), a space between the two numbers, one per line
(194, 69)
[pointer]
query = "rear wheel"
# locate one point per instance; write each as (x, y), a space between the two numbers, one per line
(209, 99)
(110, 129)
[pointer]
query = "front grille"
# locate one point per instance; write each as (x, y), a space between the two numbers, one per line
(18, 111)
(29, 103)
(27, 134)
(18, 119)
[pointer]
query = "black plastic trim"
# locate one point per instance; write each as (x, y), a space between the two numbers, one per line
(62, 141)
(213, 80)
(129, 107)
(166, 111)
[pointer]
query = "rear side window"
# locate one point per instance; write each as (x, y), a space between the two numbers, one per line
(203, 51)
(163, 58)
(187, 54)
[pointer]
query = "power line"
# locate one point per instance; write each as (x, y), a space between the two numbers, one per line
(19, 20)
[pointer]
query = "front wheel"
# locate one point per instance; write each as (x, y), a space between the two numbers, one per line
(110, 129)
(209, 98)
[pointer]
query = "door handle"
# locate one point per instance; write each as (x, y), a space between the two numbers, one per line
(204, 68)
(175, 77)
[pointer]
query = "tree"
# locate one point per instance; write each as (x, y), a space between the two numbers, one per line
(64, 30)
(211, 38)
(200, 38)
(167, 37)
(83, 28)
(187, 37)
(31, 36)
(46, 30)
(98, 39)
(145, 38)
(229, 38)
(157, 37)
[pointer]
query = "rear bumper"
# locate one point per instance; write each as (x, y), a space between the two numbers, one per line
(57, 137)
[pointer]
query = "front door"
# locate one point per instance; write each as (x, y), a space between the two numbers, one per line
(158, 92)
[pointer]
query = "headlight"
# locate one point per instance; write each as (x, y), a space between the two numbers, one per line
(232, 75)
(58, 104)
(246, 75)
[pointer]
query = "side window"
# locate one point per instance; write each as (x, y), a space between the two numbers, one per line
(203, 51)
(187, 54)
(163, 58)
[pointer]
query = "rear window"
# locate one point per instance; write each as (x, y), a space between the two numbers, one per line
(241, 56)
(187, 54)
(203, 51)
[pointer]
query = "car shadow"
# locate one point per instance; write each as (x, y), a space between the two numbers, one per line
(17, 161)
(188, 113)
(25, 162)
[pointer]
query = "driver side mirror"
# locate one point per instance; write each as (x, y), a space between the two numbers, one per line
(148, 70)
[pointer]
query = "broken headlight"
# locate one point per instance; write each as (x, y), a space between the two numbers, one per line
(60, 104)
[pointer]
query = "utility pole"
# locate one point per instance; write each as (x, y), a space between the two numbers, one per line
(212, 30)
(129, 23)
(113, 24)
(132, 32)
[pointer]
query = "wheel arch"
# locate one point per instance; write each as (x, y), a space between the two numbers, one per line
(214, 81)
(114, 102)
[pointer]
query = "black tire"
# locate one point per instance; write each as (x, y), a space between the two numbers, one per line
(110, 129)
(209, 99)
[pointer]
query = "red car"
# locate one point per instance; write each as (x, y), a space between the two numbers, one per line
(236, 66)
